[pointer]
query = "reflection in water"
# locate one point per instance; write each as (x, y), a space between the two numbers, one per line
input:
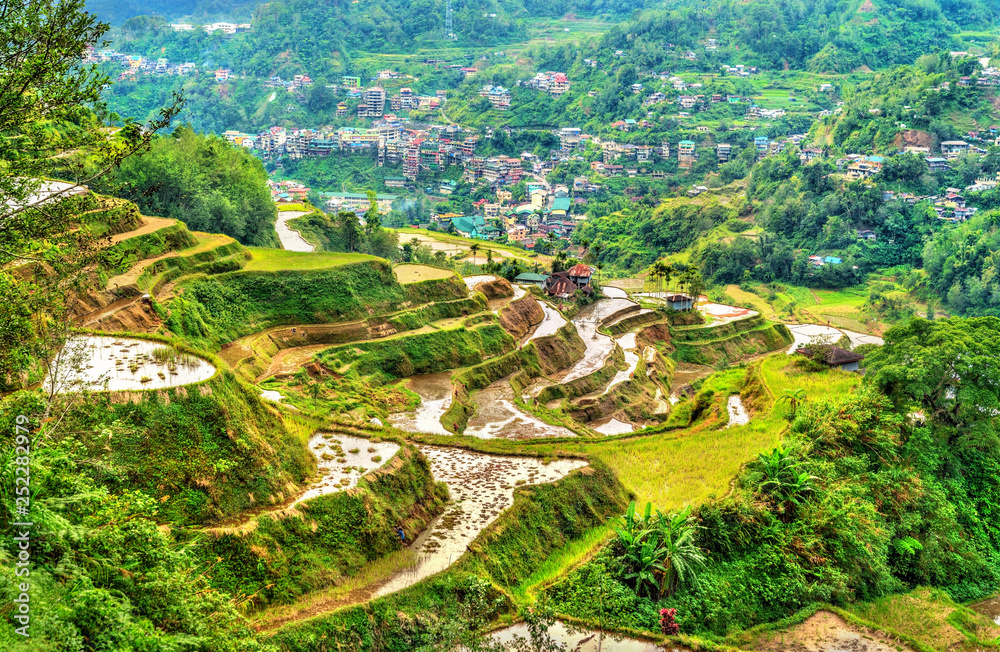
(497, 415)
(806, 334)
(614, 293)
(599, 346)
(553, 321)
(481, 487)
(579, 641)
(95, 362)
(435, 399)
(472, 281)
(612, 426)
(290, 238)
(343, 460)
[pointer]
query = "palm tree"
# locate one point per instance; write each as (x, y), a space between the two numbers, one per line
(682, 559)
(474, 247)
(654, 274)
(659, 550)
(795, 397)
(314, 388)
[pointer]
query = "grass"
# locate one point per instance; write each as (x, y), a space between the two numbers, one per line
(416, 273)
(465, 243)
(277, 260)
(353, 589)
(932, 618)
(561, 560)
(283, 208)
(780, 372)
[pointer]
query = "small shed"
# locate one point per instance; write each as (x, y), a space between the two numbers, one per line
(679, 302)
(837, 357)
(532, 279)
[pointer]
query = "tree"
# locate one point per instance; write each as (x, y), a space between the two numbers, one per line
(373, 220)
(350, 229)
(946, 367)
(474, 248)
(659, 553)
(321, 98)
(49, 131)
(794, 397)
(314, 391)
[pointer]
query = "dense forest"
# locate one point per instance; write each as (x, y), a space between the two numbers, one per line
(204, 182)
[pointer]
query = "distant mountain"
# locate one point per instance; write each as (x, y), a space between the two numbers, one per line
(115, 12)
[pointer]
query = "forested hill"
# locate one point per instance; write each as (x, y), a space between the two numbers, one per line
(115, 12)
(818, 35)
(317, 37)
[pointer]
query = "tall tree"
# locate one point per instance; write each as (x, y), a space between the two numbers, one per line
(50, 108)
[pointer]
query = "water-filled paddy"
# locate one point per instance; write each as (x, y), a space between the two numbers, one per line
(99, 362)
(481, 487)
(343, 460)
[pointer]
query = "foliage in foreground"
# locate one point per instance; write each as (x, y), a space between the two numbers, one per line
(860, 504)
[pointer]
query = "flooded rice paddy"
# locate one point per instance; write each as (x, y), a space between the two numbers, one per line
(578, 640)
(612, 426)
(806, 334)
(738, 415)
(481, 487)
(435, 399)
(343, 460)
(599, 346)
(498, 416)
(272, 395)
(552, 322)
(472, 281)
(98, 362)
(627, 342)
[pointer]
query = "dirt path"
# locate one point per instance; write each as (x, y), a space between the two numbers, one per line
(827, 632)
(108, 310)
(134, 272)
(291, 240)
(149, 225)
(288, 361)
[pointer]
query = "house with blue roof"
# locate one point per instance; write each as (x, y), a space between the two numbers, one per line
(833, 260)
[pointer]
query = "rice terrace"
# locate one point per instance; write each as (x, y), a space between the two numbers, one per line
(474, 326)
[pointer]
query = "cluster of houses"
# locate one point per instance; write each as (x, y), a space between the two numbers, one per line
(288, 192)
(134, 64)
(211, 28)
(416, 147)
(546, 215)
(553, 83)
(564, 284)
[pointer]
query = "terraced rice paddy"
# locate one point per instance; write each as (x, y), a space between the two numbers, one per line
(578, 640)
(291, 240)
(498, 416)
(599, 346)
(343, 460)
(100, 362)
(552, 322)
(481, 486)
(435, 399)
